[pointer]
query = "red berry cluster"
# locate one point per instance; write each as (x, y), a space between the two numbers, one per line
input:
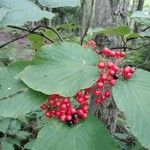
(61, 108)
(110, 70)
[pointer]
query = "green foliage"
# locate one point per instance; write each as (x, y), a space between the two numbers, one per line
(37, 41)
(15, 97)
(60, 3)
(88, 135)
(118, 31)
(62, 68)
(132, 97)
(6, 146)
(18, 12)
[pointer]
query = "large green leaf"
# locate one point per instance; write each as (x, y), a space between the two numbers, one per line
(59, 3)
(133, 98)
(88, 135)
(118, 31)
(62, 68)
(18, 12)
(15, 97)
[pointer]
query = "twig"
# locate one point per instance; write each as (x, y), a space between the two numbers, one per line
(29, 32)
(130, 48)
(88, 23)
(146, 28)
(5, 44)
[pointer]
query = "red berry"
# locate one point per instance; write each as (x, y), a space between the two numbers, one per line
(80, 112)
(122, 54)
(48, 114)
(128, 75)
(103, 78)
(97, 93)
(72, 110)
(106, 51)
(58, 114)
(126, 70)
(85, 108)
(66, 101)
(63, 118)
(81, 100)
(98, 101)
(68, 117)
(58, 103)
(110, 65)
(51, 102)
(111, 72)
(118, 54)
(113, 54)
(85, 116)
(79, 94)
(107, 94)
(112, 82)
(101, 65)
(115, 68)
(132, 70)
(100, 84)
(63, 106)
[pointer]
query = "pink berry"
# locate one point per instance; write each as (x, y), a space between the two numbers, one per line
(112, 82)
(101, 65)
(100, 84)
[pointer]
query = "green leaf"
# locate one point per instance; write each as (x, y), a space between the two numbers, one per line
(88, 135)
(4, 123)
(22, 135)
(6, 146)
(37, 41)
(29, 145)
(133, 98)
(62, 68)
(18, 12)
(60, 3)
(15, 97)
(119, 31)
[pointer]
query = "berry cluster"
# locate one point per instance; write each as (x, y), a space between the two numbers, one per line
(61, 108)
(110, 69)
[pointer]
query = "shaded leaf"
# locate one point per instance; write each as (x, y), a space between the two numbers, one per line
(88, 135)
(18, 12)
(15, 97)
(60, 3)
(62, 68)
(133, 98)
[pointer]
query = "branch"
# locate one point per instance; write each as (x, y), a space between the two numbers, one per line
(29, 32)
(5, 44)
(130, 48)
(146, 28)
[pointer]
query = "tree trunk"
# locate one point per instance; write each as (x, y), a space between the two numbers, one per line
(139, 8)
(108, 13)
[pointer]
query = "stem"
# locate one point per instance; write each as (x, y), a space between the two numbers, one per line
(130, 48)
(13, 40)
(30, 32)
